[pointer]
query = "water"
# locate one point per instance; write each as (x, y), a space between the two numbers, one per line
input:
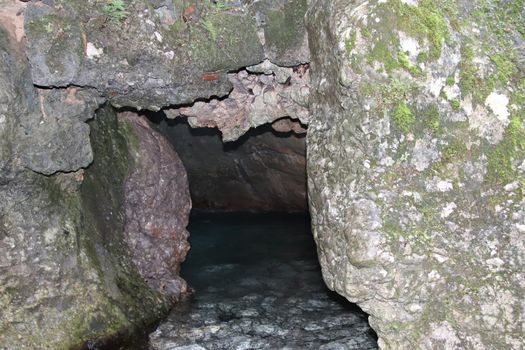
(258, 285)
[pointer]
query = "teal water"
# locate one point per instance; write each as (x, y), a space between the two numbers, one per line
(226, 249)
(258, 285)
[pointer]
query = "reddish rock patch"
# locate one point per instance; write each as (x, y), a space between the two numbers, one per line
(157, 206)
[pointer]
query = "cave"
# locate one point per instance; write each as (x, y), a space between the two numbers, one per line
(252, 269)
(383, 139)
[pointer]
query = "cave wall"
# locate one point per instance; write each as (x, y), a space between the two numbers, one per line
(72, 261)
(67, 272)
(416, 167)
(262, 171)
(67, 275)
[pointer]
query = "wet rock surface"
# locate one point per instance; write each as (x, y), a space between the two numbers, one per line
(263, 171)
(258, 286)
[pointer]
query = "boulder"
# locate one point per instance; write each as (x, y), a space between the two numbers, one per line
(416, 167)
(157, 206)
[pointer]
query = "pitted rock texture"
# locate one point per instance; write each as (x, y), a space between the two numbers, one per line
(268, 94)
(66, 275)
(157, 205)
(263, 171)
(155, 54)
(57, 138)
(416, 167)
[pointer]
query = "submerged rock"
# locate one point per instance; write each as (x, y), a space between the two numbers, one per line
(416, 169)
(258, 286)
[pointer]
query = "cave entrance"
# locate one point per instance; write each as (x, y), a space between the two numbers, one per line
(253, 262)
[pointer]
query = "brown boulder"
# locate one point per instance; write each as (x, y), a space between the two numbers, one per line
(157, 206)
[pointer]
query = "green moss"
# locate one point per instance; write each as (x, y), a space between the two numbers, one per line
(419, 234)
(501, 156)
(503, 73)
(424, 21)
(431, 119)
(456, 104)
(210, 28)
(178, 26)
(381, 53)
(366, 33)
(422, 57)
(403, 118)
(454, 151)
(350, 42)
(469, 80)
(405, 63)
(450, 81)
(115, 11)
(504, 67)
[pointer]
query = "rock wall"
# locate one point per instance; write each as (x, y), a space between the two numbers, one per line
(66, 272)
(153, 54)
(263, 171)
(416, 167)
(72, 263)
(415, 156)
(263, 93)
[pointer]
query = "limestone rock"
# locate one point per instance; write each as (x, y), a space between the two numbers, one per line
(151, 55)
(416, 169)
(56, 137)
(42, 130)
(282, 31)
(261, 94)
(67, 275)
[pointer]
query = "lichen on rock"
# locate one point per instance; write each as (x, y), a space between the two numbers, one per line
(415, 167)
